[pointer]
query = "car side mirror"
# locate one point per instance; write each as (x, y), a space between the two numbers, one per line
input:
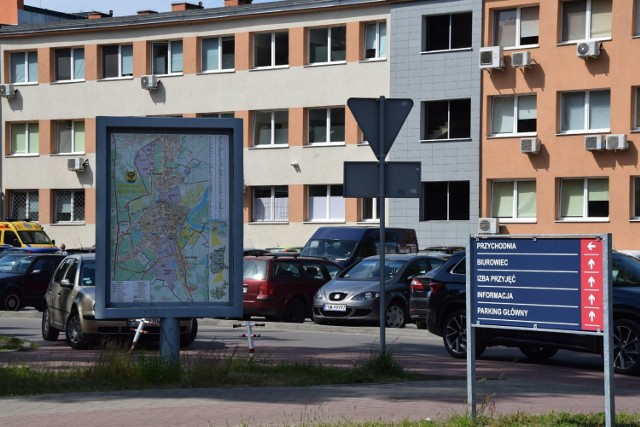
(65, 283)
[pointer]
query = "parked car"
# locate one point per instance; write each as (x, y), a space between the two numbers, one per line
(254, 252)
(442, 296)
(354, 296)
(281, 286)
(24, 278)
(68, 307)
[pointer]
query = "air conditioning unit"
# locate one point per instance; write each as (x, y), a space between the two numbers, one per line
(521, 59)
(7, 91)
(76, 165)
(488, 226)
(594, 143)
(588, 49)
(529, 145)
(616, 142)
(491, 58)
(149, 82)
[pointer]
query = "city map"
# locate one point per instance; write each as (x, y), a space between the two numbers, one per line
(169, 218)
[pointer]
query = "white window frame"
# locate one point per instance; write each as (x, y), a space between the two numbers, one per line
(219, 66)
(425, 123)
(77, 74)
(28, 133)
(273, 142)
(30, 61)
(369, 204)
(274, 48)
(172, 51)
(75, 124)
(328, 45)
(276, 209)
(587, 35)
(31, 197)
(518, 28)
(586, 113)
(332, 203)
(585, 201)
(636, 198)
(515, 115)
(379, 40)
(122, 56)
(72, 207)
(329, 127)
(636, 105)
(515, 202)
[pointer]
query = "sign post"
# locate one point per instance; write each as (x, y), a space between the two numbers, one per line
(380, 121)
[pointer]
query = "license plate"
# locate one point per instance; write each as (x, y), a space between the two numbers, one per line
(335, 307)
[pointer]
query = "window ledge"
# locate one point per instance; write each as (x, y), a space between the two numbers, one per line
(369, 222)
(24, 83)
(445, 140)
(275, 67)
(169, 75)
(111, 79)
(381, 59)
(429, 52)
(223, 71)
(66, 82)
(68, 223)
(268, 147)
(324, 221)
(17, 155)
(575, 42)
(517, 221)
(512, 135)
(80, 153)
(324, 64)
(582, 220)
(324, 144)
(583, 132)
(522, 47)
(268, 223)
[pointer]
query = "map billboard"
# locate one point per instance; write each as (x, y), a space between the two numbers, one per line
(169, 217)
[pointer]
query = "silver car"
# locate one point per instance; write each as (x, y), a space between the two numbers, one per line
(69, 307)
(354, 295)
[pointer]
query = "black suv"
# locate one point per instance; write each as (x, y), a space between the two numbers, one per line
(282, 286)
(438, 299)
(24, 278)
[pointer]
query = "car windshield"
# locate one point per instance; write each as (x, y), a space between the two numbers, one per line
(370, 269)
(34, 237)
(13, 263)
(254, 269)
(331, 249)
(625, 271)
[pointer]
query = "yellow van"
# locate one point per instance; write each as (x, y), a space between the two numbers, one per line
(25, 234)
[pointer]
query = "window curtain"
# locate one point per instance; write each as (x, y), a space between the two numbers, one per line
(526, 199)
(502, 206)
(126, 53)
(502, 118)
(600, 18)
(210, 54)
(574, 18)
(78, 64)
(505, 32)
(572, 202)
(176, 57)
(529, 25)
(78, 137)
(573, 111)
(599, 109)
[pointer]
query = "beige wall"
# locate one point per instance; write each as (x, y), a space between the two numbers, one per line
(556, 69)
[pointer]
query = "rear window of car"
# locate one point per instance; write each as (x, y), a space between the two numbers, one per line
(254, 269)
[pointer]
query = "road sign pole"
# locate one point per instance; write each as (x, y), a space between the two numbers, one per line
(381, 204)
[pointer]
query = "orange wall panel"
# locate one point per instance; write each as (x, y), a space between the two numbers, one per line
(243, 51)
(91, 62)
(90, 205)
(140, 61)
(297, 203)
(191, 56)
(45, 66)
(297, 127)
(354, 41)
(297, 47)
(90, 135)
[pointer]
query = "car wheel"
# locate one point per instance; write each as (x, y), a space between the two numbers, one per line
(75, 337)
(395, 315)
(11, 300)
(538, 352)
(421, 324)
(49, 333)
(626, 347)
(455, 336)
(295, 311)
(188, 339)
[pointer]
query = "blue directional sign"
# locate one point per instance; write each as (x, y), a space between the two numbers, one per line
(538, 283)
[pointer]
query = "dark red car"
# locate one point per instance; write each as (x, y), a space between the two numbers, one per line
(282, 286)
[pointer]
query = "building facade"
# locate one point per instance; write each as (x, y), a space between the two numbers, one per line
(285, 68)
(560, 125)
(434, 63)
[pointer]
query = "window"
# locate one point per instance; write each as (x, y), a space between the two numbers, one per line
(326, 125)
(24, 67)
(69, 64)
(24, 204)
(271, 49)
(636, 121)
(117, 61)
(369, 210)
(327, 44)
(447, 119)
(69, 206)
(447, 32)
(586, 19)
(637, 18)
(326, 203)
(513, 199)
(636, 197)
(516, 27)
(513, 114)
(271, 128)
(584, 198)
(583, 111)
(375, 40)
(270, 204)
(218, 115)
(445, 200)
(25, 138)
(167, 57)
(70, 136)
(218, 53)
